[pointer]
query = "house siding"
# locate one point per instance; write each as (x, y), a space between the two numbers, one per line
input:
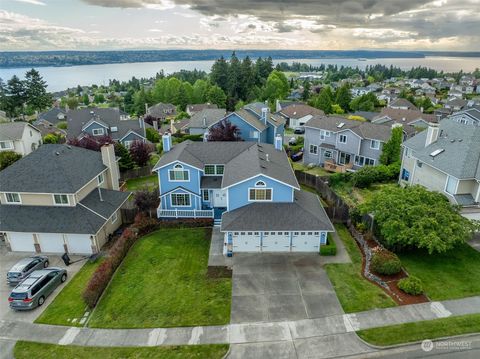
(132, 137)
(195, 202)
(246, 129)
(366, 151)
(108, 228)
(94, 126)
(166, 185)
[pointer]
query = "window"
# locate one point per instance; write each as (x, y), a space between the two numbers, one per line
(324, 134)
(344, 158)
(114, 217)
(98, 132)
(374, 144)
(451, 185)
(260, 194)
(220, 169)
(405, 175)
(364, 161)
(205, 195)
(254, 134)
(178, 174)
(61, 199)
(180, 199)
(13, 198)
(100, 178)
(313, 149)
(327, 154)
(342, 138)
(211, 170)
(6, 145)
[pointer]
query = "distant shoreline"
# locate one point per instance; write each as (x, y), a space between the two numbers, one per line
(37, 59)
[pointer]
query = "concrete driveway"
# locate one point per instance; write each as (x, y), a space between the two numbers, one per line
(7, 260)
(276, 287)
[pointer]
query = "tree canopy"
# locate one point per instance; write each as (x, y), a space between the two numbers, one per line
(392, 148)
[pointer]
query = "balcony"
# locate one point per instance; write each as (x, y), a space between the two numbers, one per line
(184, 213)
(331, 166)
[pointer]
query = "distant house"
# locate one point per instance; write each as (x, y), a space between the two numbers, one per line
(298, 114)
(467, 117)
(52, 117)
(106, 121)
(202, 120)
(3, 116)
(338, 144)
(20, 137)
(406, 118)
(162, 111)
(446, 158)
(402, 104)
(193, 109)
(456, 104)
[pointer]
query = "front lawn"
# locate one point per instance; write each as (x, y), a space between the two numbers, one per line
(429, 329)
(163, 283)
(136, 184)
(68, 304)
(29, 350)
(354, 292)
(455, 274)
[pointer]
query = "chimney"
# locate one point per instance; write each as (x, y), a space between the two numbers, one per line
(265, 114)
(204, 122)
(140, 122)
(421, 109)
(146, 108)
(172, 126)
(432, 133)
(167, 142)
(155, 124)
(109, 160)
(278, 107)
(278, 142)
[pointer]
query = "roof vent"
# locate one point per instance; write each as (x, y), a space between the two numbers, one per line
(436, 152)
(460, 139)
(340, 125)
(57, 153)
(92, 113)
(266, 155)
(452, 141)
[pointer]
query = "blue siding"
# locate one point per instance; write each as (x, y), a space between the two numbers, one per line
(133, 137)
(194, 201)
(166, 185)
(238, 194)
(93, 126)
(244, 127)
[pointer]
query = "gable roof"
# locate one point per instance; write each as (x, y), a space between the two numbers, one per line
(13, 131)
(52, 169)
(255, 108)
(250, 118)
(404, 116)
(52, 115)
(461, 145)
(297, 111)
(159, 109)
(242, 160)
(201, 106)
(206, 117)
(402, 102)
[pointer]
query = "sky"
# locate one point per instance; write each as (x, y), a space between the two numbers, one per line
(452, 25)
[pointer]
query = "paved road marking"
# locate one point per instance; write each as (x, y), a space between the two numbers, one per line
(439, 310)
(196, 334)
(69, 336)
(351, 322)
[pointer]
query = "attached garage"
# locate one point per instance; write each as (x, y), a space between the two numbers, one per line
(246, 241)
(51, 242)
(21, 242)
(79, 244)
(305, 242)
(276, 242)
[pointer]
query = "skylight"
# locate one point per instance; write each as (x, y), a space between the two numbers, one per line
(341, 125)
(437, 152)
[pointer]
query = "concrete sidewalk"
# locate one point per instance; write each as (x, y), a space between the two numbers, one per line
(334, 329)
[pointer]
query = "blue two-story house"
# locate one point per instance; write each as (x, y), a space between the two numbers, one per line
(248, 188)
(256, 123)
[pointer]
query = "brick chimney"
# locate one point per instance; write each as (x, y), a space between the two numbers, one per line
(109, 160)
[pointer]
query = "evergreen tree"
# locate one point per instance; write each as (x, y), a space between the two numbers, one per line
(36, 91)
(343, 98)
(139, 102)
(85, 100)
(219, 74)
(247, 78)
(324, 100)
(392, 148)
(216, 96)
(125, 162)
(306, 90)
(16, 97)
(182, 99)
(234, 83)
(200, 89)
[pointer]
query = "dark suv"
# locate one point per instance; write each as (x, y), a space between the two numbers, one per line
(33, 291)
(24, 267)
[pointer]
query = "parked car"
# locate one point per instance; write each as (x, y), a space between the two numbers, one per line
(297, 156)
(292, 141)
(33, 291)
(24, 267)
(299, 130)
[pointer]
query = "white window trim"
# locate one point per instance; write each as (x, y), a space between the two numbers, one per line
(127, 144)
(100, 131)
(61, 204)
(180, 205)
(340, 137)
(456, 185)
(205, 191)
(114, 217)
(9, 147)
(315, 152)
(260, 188)
(13, 193)
(102, 177)
(373, 147)
(215, 170)
(178, 168)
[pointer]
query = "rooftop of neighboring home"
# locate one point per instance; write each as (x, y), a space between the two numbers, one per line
(52, 169)
(456, 102)
(401, 103)
(456, 151)
(207, 117)
(242, 160)
(194, 108)
(113, 119)
(255, 109)
(54, 115)
(368, 115)
(404, 116)
(298, 111)
(13, 131)
(161, 110)
(365, 130)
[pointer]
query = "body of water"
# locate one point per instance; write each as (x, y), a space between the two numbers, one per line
(61, 78)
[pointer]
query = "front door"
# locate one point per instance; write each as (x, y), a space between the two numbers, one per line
(219, 198)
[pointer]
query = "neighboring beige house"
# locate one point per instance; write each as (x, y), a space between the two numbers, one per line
(60, 199)
(446, 158)
(20, 137)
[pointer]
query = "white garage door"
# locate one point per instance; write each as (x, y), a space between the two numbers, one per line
(276, 242)
(79, 244)
(21, 242)
(246, 241)
(306, 242)
(51, 243)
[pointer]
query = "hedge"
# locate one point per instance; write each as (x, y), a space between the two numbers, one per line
(329, 249)
(411, 285)
(385, 262)
(367, 175)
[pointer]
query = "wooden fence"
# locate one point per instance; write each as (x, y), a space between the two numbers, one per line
(136, 172)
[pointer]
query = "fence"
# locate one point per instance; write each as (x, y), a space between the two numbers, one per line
(128, 215)
(136, 172)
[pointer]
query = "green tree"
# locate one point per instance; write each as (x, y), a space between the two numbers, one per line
(306, 90)
(36, 91)
(234, 84)
(324, 101)
(99, 98)
(343, 97)
(125, 162)
(276, 86)
(182, 98)
(414, 217)
(85, 100)
(216, 96)
(392, 148)
(7, 158)
(200, 89)
(172, 90)
(51, 138)
(159, 90)
(140, 99)
(247, 78)
(16, 96)
(219, 73)
(152, 135)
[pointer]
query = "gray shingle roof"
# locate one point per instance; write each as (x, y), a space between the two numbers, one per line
(11, 131)
(304, 214)
(52, 169)
(402, 102)
(207, 117)
(251, 119)
(211, 182)
(242, 160)
(460, 158)
(50, 219)
(52, 115)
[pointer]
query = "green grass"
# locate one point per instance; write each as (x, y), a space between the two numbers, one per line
(354, 196)
(68, 304)
(455, 274)
(313, 190)
(317, 170)
(429, 329)
(153, 159)
(354, 292)
(163, 283)
(139, 183)
(29, 350)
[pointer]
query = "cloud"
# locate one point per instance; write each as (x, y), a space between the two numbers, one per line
(32, 2)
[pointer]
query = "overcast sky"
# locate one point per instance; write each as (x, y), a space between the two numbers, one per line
(230, 24)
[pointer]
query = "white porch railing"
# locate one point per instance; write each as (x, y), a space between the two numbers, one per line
(184, 213)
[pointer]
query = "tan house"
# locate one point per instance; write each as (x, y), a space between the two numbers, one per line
(60, 199)
(19, 137)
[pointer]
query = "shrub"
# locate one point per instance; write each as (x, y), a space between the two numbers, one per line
(411, 285)
(385, 262)
(186, 223)
(51, 138)
(62, 125)
(329, 249)
(145, 224)
(7, 158)
(367, 175)
(152, 135)
(338, 178)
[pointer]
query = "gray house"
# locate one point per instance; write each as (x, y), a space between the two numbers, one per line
(339, 144)
(202, 120)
